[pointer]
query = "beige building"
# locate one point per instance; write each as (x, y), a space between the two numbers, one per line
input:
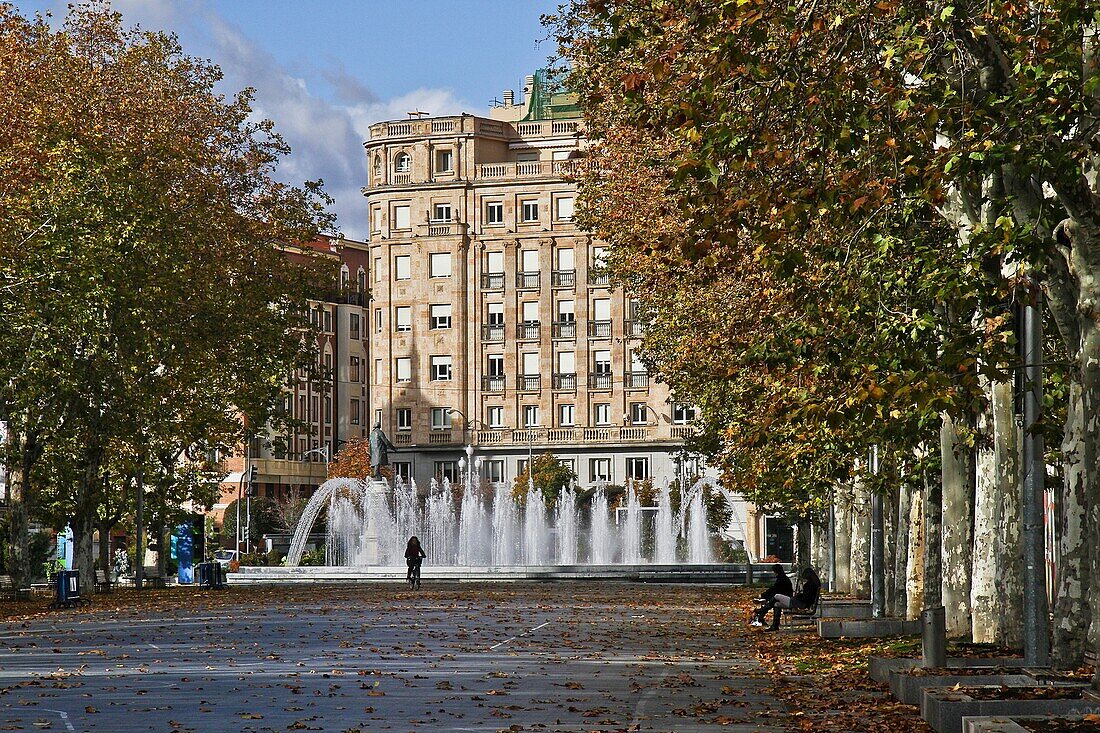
(491, 321)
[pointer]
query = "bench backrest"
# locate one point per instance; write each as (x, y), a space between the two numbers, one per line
(6, 582)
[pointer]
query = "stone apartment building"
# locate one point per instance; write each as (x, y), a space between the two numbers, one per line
(491, 321)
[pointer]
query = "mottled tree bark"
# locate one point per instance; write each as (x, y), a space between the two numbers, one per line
(861, 539)
(842, 521)
(957, 476)
(933, 540)
(1071, 611)
(984, 597)
(1009, 550)
(902, 529)
(914, 579)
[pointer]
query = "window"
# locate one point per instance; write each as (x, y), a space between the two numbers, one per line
(402, 163)
(401, 217)
(565, 260)
(601, 413)
(565, 416)
(328, 410)
(403, 368)
(403, 470)
(353, 327)
(328, 321)
(602, 362)
(446, 470)
(566, 311)
(494, 471)
(637, 468)
(353, 371)
(441, 418)
(530, 211)
(402, 267)
(494, 262)
(353, 412)
(345, 276)
(377, 166)
(531, 364)
(444, 161)
(599, 257)
(402, 318)
(378, 320)
(565, 208)
(636, 363)
(404, 419)
(439, 264)
(599, 469)
(494, 416)
(682, 414)
(567, 362)
(527, 156)
(494, 213)
(378, 269)
(494, 314)
(377, 415)
(521, 466)
(377, 370)
(639, 413)
(530, 311)
(569, 464)
(440, 316)
(601, 309)
(441, 212)
(361, 280)
(530, 416)
(376, 219)
(494, 366)
(441, 368)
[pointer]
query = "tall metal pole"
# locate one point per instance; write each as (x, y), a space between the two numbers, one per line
(878, 547)
(1036, 610)
(832, 540)
(139, 551)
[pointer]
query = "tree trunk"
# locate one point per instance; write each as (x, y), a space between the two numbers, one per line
(820, 537)
(861, 539)
(1010, 551)
(933, 540)
(105, 527)
(84, 520)
(1071, 612)
(957, 471)
(984, 596)
(914, 576)
(842, 521)
(802, 555)
(890, 547)
(902, 528)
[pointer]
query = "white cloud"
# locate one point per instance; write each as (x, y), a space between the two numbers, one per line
(326, 136)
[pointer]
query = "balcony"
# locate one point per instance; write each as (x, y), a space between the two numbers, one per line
(567, 382)
(403, 438)
(598, 277)
(492, 332)
(527, 280)
(533, 169)
(441, 229)
(528, 331)
(683, 432)
(599, 329)
(493, 383)
(441, 437)
(600, 380)
(492, 281)
(564, 278)
(634, 328)
(499, 437)
(637, 380)
(530, 382)
(565, 329)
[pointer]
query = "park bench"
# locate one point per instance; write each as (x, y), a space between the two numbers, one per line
(9, 592)
(803, 615)
(153, 578)
(102, 582)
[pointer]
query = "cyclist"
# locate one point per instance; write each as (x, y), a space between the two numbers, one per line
(414, 556)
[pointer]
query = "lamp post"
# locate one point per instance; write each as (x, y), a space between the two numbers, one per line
(469, 465)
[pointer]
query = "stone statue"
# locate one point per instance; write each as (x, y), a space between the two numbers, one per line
(380, 446)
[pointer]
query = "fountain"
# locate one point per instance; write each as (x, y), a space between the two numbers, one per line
(487, 527)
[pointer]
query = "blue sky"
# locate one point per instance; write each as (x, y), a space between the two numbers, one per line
(325, 70)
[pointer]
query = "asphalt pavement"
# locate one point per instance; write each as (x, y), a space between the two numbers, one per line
(460, 657)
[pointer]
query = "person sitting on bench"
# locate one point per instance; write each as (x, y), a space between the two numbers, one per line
(805, 598)
(781, 586)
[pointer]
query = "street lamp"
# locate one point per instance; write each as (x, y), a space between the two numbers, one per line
(469, 465)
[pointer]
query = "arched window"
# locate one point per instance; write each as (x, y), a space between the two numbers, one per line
(345, 275)
(361, 278)
(377, 166)
(402, 163)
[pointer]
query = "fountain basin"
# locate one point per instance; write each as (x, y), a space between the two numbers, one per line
(729, 574)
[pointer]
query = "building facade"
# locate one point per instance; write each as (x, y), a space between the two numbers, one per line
(492, 323)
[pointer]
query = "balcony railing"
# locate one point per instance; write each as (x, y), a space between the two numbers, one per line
(598, 277)
(565, 329)
(683, 432)
(599, 329)
(634, 328)
(528, 331)
(492, 332)
(493, 383)
(600, 381)
(530, 382)
(527, 280)
(403, 438)
(441, 229)
(543, 436)
(492, 280)
(440, 437)
(402, 179)
(533, 169)
(637, 380)
(566, 382)
(489, 437)
(564, 278)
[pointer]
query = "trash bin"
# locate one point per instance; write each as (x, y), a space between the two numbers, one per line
(210, 575)
(68, 590)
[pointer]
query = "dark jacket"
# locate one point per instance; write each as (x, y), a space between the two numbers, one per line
(416, 552)
(808, 593)
(781, 586)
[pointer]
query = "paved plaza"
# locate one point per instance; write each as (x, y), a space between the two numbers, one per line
(507, 657)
